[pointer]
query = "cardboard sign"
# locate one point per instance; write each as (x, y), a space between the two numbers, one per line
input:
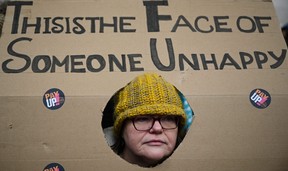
(61, 61)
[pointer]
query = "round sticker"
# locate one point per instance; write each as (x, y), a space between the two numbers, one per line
(54, 167)
(260, 98)
(54, 99)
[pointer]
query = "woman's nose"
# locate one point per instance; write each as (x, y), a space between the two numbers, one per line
(157, 127)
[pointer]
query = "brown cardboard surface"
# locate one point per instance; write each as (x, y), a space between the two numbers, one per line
(228, 132)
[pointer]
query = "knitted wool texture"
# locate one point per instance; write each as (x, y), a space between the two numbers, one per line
(147, 94)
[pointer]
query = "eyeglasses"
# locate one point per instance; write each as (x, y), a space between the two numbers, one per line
(145, 123)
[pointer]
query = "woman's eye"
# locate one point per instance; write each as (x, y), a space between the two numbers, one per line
(142, 119)
(169, 119)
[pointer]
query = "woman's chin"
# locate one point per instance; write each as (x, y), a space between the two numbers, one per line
(156, 154)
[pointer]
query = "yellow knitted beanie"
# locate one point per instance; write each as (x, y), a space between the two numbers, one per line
(147, 94)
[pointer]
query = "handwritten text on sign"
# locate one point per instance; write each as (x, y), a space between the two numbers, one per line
(82, 63)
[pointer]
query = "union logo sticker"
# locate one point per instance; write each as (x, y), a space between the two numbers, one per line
(260, 98)
(53, 99)
(54, 167)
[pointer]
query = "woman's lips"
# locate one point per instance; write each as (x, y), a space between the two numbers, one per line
(155, 142)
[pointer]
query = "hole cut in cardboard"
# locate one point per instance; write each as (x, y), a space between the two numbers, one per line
(147, 94)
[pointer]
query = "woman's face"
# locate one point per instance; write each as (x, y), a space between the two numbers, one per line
(147, 148)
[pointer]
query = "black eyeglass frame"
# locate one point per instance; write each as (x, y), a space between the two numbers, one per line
(159, 120)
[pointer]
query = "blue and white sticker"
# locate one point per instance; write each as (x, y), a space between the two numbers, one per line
(260, 98)
(54, 167)
(53, 99)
